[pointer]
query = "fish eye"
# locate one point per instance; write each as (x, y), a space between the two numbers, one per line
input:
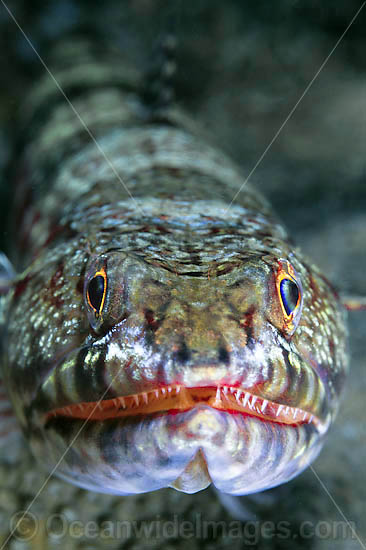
(289, 292)
(96, 291)
(290, 295)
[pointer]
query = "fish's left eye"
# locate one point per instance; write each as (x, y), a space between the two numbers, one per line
(96, 291)
(289, 291)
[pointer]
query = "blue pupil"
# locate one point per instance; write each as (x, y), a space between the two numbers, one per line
(289, 294)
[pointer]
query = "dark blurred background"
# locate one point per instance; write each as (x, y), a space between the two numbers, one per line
(242, 66)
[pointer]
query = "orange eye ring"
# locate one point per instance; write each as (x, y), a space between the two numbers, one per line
(96, 291)
(289, 293)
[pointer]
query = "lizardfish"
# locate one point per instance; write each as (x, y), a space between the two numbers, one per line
(157, 333)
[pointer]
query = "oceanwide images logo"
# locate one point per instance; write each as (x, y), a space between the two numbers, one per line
(26, 526)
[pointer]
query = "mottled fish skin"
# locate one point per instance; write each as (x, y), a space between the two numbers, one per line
(191, 301)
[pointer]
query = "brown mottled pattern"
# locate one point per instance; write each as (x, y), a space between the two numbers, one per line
(191, 298)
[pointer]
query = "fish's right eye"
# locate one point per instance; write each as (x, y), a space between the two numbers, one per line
(96, 291)
(290, 296)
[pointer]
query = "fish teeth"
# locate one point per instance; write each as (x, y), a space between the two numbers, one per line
(246, 398)
(218, 394)
(252, 403)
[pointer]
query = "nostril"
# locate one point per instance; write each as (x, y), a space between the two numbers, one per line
(224, 356)
(151, 321)
(182, 355)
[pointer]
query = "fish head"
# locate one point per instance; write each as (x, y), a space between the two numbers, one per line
(231, 376)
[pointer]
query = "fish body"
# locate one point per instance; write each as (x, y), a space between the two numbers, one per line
(158, 335)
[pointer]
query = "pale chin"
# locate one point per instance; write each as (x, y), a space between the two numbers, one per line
(239, 454)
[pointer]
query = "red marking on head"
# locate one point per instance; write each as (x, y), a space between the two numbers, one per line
(57, 276)
(21, 286)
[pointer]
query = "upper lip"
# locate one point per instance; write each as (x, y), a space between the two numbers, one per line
(177, 397)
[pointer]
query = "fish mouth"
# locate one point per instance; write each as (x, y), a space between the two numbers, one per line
(174, 398)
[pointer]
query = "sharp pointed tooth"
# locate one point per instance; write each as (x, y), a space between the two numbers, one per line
(225, 389)
(156, 394)
(136, 399)
(177, 389)
(287, 410)
(238, 394)
(295, 413)
(246, 398)
(251, 404)
(232, 390)
(264, 405)
(310, 419)
(80, 407)
(163, 391)
(144, 397)
(305, 415)
(169, 389)
(279, 410)
(218, 394)
(122, 402)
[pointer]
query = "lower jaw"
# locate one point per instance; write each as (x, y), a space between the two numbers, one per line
(187, 450)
